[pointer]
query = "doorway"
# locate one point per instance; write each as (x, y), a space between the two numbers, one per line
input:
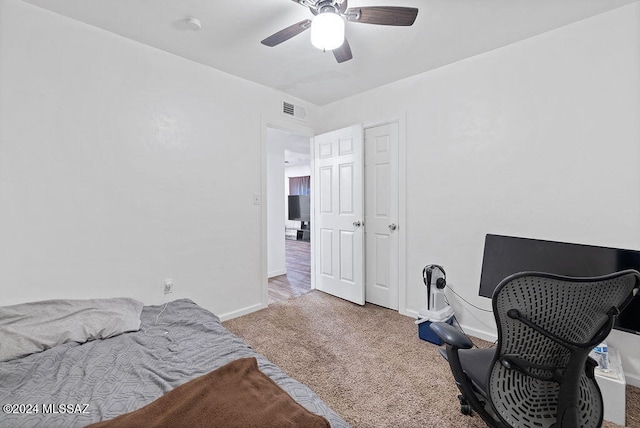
(288, 237)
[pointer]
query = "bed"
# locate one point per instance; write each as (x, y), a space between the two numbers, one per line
(115, 373)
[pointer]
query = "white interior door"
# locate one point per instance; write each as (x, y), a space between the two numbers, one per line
(381, 215)
(338, 207)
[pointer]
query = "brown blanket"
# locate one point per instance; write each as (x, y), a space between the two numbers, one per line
(235, 395)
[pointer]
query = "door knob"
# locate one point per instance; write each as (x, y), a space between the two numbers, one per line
(357, 223)
(392, 227)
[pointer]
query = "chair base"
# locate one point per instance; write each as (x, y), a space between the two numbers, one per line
(465, 408)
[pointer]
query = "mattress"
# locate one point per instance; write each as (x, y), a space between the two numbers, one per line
(72, 385)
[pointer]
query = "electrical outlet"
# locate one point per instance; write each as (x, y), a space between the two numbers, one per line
(168, 286)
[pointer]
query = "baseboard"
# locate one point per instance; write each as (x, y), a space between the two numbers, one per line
(410, 313)
(632, 379)
(480, 334)
(277, 273)
(243, 311)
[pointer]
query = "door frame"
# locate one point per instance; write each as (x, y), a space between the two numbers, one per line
(288, 125)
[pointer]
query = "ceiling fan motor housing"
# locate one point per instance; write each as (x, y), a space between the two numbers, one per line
(335, 13)
(331, 6)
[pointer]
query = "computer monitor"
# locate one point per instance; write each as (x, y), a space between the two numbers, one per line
(506, 255)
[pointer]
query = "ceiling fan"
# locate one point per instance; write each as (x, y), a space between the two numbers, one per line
(334, 13)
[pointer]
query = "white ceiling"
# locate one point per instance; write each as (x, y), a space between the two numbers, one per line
(445, 31)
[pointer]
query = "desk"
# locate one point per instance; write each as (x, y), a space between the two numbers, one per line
(612, 385)
(303, 235)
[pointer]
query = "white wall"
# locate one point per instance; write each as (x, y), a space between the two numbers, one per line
(122, 165)
(538, 139)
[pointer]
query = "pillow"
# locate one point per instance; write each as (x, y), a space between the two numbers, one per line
(33, 327)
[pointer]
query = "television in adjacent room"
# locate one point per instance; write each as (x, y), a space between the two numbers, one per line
(506, 255)
(300, 208)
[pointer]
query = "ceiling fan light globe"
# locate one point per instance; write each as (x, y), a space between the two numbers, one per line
(327, 31)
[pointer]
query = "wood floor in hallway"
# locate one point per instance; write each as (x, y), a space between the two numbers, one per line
(297, 280)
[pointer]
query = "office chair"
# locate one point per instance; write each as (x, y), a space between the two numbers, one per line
(540, 373)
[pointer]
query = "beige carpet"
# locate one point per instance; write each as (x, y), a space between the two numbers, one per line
(366, 362)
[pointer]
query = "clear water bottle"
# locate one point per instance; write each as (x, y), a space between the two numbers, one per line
(601, 354)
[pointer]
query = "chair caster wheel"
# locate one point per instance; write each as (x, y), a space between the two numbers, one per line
(465, 408)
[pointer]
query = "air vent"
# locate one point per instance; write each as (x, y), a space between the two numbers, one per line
(293, 110)
(288, 108)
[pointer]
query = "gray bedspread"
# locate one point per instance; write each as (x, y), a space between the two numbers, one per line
(73, 385)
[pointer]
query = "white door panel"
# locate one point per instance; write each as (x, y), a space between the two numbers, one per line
(381, 198)
(338, 169)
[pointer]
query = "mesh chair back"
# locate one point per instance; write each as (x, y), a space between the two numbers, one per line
(575, 310)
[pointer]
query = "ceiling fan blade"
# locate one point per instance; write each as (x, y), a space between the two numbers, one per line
(382, 15)
(287, 33)
(343, 53)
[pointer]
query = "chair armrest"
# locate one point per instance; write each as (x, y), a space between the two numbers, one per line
(451, 335)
